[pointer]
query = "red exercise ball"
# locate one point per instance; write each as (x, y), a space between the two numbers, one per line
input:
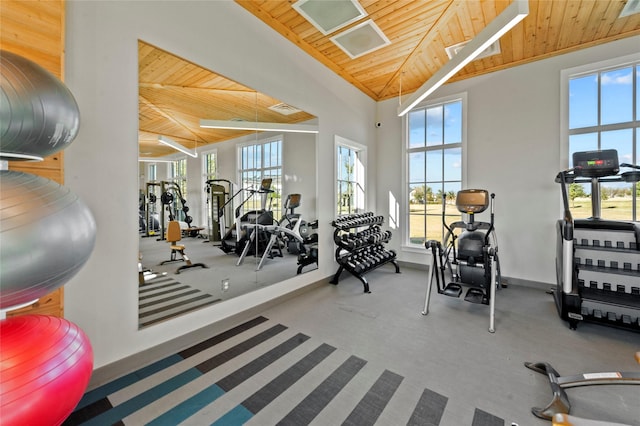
(45, 367)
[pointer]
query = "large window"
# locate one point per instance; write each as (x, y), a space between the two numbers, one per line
(178, 175)
(209, 165)
(210, 171)
(260, 161)
(349, 178)
(434, 167)
(604, 113)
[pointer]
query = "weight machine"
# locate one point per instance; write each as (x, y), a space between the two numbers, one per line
(151, 223)
(175, 204)
(220, 204)
(471, 257)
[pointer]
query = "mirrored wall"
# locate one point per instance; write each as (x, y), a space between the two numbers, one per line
(227, 188)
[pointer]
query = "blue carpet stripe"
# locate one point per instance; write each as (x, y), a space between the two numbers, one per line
(312, 404)
(124, 381)
(429, 409)
(236, 416)
(96, 409)
(139, 401)
(95, 401)
(265, 395)
(205, 397)
(189, 407)
(371, 405)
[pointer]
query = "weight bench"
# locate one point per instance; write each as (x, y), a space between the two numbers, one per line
(174, 235)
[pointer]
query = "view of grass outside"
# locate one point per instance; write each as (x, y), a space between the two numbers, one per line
(434, 159)
(616, 201)
(426, 220)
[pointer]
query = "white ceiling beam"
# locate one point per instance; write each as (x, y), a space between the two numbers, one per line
(259, 126)
(513, 14)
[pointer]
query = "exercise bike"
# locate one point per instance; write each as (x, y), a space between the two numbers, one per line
(470, 256)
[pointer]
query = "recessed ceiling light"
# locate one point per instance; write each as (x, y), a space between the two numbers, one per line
(632, 7)
(329, 16)
(284, 109)
(361, 39)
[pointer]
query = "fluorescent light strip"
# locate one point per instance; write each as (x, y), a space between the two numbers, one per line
(153, 160)
(259, 126)
(508, 19)
(175, 145)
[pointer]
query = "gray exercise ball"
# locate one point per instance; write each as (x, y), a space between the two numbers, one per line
(38, 114)
(46, 235)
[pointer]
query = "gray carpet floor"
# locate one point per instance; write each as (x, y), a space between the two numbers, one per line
(335, 355)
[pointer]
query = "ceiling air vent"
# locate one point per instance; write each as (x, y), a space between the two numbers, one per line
(493, 49)
(284, 109)
(329, 16)
(361, 39)
(632, 7)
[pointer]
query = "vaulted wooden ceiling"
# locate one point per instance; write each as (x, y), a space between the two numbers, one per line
(175, 94)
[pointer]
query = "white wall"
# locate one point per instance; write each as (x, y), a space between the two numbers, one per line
(101, 165)
(514, 145)
(513, 150)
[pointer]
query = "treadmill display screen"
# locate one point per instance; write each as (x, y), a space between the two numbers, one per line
(596, 163)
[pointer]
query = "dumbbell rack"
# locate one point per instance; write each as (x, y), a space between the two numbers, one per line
(360, 246)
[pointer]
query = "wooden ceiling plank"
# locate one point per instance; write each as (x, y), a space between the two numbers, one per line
(542, 18)
(429, 36)
(580, 22)
(284, 31)
(566, 27)
(169, 117)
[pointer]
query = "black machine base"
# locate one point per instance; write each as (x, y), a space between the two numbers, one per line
(475, 295)
(452, 290)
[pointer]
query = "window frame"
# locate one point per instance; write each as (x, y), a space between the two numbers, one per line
(566, 75)
(407, 245)
(205, 177)
(360, 172)
(276, 186)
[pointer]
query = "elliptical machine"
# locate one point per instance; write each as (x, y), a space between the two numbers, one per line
(237, 236)
(470, 257)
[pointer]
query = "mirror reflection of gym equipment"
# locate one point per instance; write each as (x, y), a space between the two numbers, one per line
(469, 257)
(213, 201)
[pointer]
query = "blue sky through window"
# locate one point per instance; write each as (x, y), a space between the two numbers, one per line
(599, 100)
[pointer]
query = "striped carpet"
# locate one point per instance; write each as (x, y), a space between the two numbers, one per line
(163, 298)
(264, 373)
